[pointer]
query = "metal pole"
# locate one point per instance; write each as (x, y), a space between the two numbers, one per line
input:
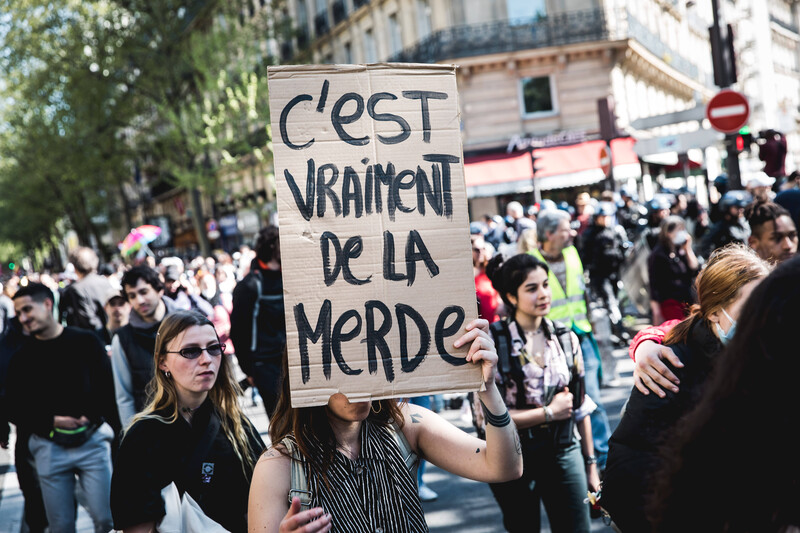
(732, 161)
(537, 195)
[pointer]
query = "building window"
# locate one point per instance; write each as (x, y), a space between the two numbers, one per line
(395, 39)
(423, 19)
(537, 96)
(348, 54)
(526, 9)
(370, 55)
(302, 24)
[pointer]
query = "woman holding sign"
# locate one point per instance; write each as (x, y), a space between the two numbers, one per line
(541, 376)
(349, 467)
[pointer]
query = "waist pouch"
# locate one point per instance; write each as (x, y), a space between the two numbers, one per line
(558, 435)
(72, 438)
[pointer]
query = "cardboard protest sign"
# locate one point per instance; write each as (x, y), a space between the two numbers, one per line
(375, 248)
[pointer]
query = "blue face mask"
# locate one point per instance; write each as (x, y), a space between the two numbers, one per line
(723, 336)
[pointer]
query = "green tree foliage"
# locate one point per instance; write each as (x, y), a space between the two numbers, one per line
(93, 89)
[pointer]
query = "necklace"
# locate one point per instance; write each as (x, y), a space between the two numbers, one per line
(524, 356)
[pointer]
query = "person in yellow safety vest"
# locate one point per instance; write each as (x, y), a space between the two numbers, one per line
(569, 307)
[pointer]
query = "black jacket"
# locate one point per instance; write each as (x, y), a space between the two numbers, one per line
(270, 321)
(723, 233)
(670, 276)
(646, 424)
(67, 376)
(200, 460)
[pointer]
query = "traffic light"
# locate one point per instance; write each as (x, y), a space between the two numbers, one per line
(744, 140)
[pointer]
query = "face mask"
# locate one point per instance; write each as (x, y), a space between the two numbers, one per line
(725, 337)
(680, 238)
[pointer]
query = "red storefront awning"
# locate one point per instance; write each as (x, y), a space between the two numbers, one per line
(558, 167)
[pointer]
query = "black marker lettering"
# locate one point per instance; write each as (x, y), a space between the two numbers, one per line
(442, 332)
(338, 337)
(326, 189)
(351, 192)
(285, 116)
(375, 338)
(323, 97)
(417, 251)
(388, 258)
(306, 207)
(410, 364)
(405, 129)
(321, 331)
(337, 119)
(423, 97)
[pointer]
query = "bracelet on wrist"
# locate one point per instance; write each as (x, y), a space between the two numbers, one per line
(492, 419)
(590, 460)
(548, 414)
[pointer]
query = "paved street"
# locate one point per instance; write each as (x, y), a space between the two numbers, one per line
(464, 506)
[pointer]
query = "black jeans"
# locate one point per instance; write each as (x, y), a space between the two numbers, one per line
(28, 479)
(556, 477)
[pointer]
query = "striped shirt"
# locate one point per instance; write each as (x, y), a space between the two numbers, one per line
(374, 493)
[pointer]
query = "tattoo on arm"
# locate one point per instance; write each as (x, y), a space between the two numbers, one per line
(477, 450)
(517, 444)
(415, 418)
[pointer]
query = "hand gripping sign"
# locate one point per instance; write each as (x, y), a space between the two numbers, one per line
(375, 248)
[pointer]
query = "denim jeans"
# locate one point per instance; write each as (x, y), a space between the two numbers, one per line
(557, 478)
(601, 430)
(57, 467)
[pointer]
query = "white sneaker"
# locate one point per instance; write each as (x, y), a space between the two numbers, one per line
(426, 494)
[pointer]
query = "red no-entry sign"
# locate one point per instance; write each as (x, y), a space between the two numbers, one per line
(728, 111)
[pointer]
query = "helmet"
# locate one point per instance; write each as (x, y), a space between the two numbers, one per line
(564, 206)
(721, 182)
(547, 204)
(532, 210)
(658, 203)
(628, 192)
(475, 228)
(606, 209)
(734, 199)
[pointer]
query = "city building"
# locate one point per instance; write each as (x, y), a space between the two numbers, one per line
(531, 75)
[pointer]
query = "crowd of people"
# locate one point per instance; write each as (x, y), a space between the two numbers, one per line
(130, 380)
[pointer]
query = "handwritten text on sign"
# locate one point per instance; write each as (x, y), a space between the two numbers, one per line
(374, 230)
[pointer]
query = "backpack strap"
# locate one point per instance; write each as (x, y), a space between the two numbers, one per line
(409, 456)
(502, 339)
(577, 385)
(299, 485)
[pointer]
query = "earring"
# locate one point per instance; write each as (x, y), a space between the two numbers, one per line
(167, 374)
(380, 407)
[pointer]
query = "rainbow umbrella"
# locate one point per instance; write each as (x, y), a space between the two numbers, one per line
(137, 238)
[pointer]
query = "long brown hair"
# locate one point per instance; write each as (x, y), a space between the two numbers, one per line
(224, 394)
(727, 271)
(311, 423)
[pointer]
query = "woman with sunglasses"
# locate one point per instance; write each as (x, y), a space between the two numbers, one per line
(192, 433)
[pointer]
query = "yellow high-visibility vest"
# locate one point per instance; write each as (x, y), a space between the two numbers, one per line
(568, 307)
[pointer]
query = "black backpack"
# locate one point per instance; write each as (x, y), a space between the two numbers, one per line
(510, 368)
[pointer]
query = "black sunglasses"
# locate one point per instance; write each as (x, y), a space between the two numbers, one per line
(193, 352)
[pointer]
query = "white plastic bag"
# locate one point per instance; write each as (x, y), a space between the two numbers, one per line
(184, 515)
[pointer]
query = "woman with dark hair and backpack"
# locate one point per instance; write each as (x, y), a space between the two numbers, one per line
(349, 466)
(540, 375)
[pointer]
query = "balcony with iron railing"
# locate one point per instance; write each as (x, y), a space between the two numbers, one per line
(556, 29)
(507, 36)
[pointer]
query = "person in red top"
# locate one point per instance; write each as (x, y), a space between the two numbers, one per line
(490, 305)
